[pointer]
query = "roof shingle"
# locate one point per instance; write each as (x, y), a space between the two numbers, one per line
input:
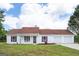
(40, 31)
(52, 31)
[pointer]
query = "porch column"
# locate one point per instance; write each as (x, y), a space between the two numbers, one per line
(18, 39)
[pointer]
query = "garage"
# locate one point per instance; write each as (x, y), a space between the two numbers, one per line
(57, 39)
(68, 39)
(63, 39)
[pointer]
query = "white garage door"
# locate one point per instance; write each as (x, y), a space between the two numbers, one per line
(57, 39)
(68, 39)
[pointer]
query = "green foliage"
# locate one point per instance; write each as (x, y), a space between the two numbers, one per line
(1, 13)
(74, 21)
(76, 38)
(76, 12)
(2, 30)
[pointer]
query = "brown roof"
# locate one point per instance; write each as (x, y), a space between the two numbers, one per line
(13, 31)
(24, 30)
(40, 31)
(29, 30)
(56, 31)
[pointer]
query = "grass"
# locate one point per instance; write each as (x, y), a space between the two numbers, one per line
(36, 50)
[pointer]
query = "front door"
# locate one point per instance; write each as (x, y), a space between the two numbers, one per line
(34, 39)
(44, 39)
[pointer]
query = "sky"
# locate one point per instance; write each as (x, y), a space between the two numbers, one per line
(45, 15)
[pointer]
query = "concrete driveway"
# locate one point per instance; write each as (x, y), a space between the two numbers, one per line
(73, 46)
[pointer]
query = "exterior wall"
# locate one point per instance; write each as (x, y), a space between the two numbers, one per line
(51, 39)
(57, 39)
(20, 38)
(39, 39)
(68, 39)
(9, 40)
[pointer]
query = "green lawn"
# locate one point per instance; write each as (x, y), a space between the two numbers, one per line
(33, 50)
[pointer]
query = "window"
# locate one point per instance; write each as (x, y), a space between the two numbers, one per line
(34, 39)
(26, 38)
(44, 38)
(13, 38)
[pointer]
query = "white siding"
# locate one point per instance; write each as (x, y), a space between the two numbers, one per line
(9, 40)
(57, 38)
(39, 40)
(68, 39)
(18, 39)
(22, 38)
(23, 42)
(51, 39)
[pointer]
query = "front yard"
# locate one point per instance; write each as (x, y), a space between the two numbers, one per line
(36, 50)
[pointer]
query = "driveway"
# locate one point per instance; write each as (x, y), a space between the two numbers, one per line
(73, 46)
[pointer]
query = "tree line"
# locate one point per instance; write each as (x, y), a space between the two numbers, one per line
(2, 30)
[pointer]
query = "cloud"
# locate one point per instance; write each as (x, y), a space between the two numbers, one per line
(32, 9)
(33, 14)
(7, 27)
(11, 21)
(6, 6)
(40, 1)
(32, 20)
(55, 15)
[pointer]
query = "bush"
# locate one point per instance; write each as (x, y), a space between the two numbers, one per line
(76, 38)
(3, 38)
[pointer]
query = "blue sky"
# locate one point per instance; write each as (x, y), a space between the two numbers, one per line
(44, 15)
(16, 10)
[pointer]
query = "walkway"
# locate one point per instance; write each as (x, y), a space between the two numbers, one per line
(74, 46)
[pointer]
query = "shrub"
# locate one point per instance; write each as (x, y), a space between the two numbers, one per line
(76, 38)
(2, 38)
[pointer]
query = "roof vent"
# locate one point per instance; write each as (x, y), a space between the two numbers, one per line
(35, 25)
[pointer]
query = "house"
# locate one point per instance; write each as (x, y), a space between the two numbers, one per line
(34, 35)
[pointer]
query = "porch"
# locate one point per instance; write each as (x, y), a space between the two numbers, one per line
(23, 39)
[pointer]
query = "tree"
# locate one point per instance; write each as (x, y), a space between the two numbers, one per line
(2, 31)
(76, 38)
(74, 21)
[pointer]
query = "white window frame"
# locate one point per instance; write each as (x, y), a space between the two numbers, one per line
(13, 38)
(26, 38)
(44, 38)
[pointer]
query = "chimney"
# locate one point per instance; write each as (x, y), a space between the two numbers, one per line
(35, 25)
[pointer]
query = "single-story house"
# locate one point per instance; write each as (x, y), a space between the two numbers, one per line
(35, 35)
